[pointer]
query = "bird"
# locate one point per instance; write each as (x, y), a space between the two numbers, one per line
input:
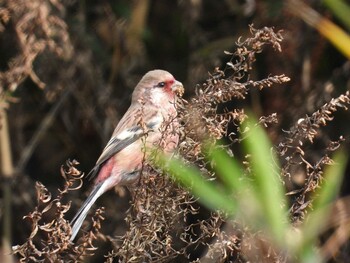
(152, 111)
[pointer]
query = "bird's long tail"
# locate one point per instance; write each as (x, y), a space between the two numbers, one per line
(79, 218)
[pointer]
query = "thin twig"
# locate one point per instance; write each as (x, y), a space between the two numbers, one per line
(7, 172)
(40, 132)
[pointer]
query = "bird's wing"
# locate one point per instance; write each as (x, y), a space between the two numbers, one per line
(127, 132)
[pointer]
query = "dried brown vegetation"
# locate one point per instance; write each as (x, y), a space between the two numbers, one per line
(51, 231)
(164, 222)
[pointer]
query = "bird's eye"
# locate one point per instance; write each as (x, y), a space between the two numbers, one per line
(161, 84)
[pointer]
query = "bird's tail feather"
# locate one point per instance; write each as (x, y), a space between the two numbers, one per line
(80, 216)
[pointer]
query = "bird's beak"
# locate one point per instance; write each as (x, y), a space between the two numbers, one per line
(178, 88)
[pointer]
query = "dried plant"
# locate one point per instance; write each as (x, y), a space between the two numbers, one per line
(49, 238)
(201, 117)
(291, 149)
(158, 211)
(38, 28)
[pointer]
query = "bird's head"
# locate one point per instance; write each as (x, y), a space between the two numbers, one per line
(158, 86)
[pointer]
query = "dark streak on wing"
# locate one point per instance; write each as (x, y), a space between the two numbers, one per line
(118, 145)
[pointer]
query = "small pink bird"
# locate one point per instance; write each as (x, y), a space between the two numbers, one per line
(152, 110)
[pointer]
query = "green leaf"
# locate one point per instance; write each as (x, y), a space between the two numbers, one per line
(340, 9)
(227, 169)
(268, 187)
(209, 193)
(333, 178)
